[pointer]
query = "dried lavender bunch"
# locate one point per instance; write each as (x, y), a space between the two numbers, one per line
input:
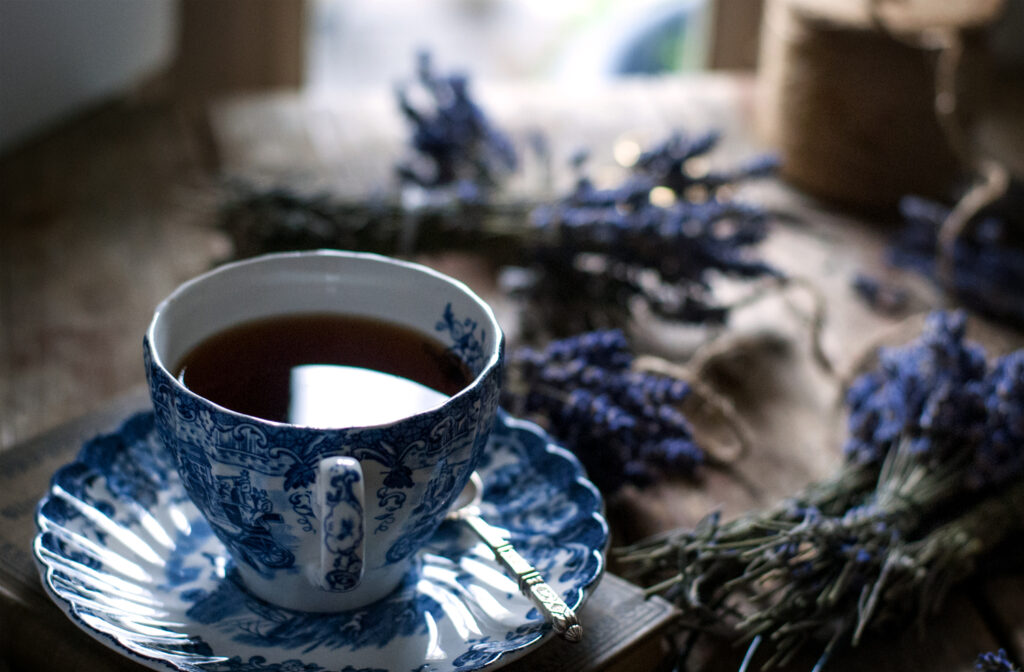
(624, 425)
(987, 261)
(944, 432)
(995, 662)
(584, 262)
(882, 404)
(587, 260)
(600, 252)
(454, 143)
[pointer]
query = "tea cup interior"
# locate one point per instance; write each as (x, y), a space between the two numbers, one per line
(355, 284)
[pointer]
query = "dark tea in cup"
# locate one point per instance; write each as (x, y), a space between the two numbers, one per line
(323, 370)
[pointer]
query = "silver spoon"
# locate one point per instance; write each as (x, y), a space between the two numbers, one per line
(531, 583)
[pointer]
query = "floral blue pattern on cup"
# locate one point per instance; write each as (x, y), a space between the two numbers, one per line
(256, 481)
(423, 465)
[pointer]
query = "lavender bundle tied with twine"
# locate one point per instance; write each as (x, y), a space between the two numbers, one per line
(932, 482)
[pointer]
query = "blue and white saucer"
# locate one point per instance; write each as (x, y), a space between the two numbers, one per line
(127, 556)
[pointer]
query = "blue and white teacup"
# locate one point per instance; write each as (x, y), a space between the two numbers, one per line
(324, 519)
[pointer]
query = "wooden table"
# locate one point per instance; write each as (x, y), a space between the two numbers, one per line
(104, 216)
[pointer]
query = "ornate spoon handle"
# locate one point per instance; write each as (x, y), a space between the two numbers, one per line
(531, 583)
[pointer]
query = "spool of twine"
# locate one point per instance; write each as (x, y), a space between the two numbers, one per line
(847, 94)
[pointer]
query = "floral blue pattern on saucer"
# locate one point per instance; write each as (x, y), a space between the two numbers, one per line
(127, 556)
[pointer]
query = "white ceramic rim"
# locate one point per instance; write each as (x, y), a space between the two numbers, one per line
(493, 360)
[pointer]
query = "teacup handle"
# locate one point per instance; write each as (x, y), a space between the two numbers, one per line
(339, 494)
